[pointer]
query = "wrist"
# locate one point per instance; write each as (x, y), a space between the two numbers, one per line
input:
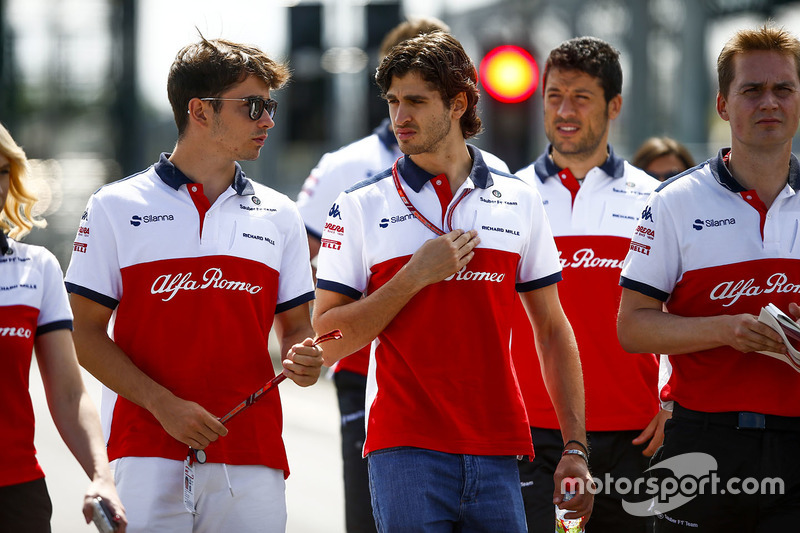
(575, 451)
(577, 445)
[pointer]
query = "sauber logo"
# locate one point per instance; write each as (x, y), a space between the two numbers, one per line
(79, 247)
(334, 212)
(333, 245)
(15, 332)
(639, 247)
(647, 214)
(641, 231)
(212, 279)
(733, 290)
(585, 258)
(335, 228)
(468, 275)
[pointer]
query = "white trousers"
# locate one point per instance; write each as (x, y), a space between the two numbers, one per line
(151, 489)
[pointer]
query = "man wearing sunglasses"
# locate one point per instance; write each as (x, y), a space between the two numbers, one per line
(195, 263)
(437, 245)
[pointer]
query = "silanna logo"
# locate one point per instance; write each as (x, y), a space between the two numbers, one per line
(136, 220)
(709, 223)
(384, 223)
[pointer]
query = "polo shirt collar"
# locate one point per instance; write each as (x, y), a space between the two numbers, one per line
(385, 134)
(416, 178)
(545, 167)
(724, 177)
(172, 176)
(4, 245)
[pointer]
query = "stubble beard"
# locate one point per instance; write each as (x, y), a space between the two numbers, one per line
(582, 148)
(439, 130)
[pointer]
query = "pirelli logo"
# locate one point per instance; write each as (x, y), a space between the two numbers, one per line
(79, 247)
(639, 247)
(333, 245)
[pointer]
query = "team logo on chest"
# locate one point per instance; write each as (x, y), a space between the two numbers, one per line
(469, 275)
(212, 278)
(137, 221)
(731, 291)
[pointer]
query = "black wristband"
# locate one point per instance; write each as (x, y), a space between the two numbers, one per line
(579, 443)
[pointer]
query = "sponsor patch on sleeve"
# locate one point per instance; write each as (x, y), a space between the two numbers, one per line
(639, 247)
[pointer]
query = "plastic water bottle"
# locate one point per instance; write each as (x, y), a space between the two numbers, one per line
(567, 525)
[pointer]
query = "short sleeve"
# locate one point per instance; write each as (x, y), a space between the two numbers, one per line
(94, 269)
(341, 266)
(295, 285)
(55, 312)
(652, 266)
(539, 265)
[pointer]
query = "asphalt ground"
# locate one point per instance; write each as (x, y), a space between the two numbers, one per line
(314, 492)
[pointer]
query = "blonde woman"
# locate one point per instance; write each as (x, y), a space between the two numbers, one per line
(35, 314)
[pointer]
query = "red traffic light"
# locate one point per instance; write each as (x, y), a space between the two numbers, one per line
(509, 73)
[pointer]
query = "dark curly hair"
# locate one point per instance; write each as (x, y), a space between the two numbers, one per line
(591, 55)
(440, 60)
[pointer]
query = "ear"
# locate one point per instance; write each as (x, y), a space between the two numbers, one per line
(614, 107)
(459, 105)
(197, 112)
(722, 107)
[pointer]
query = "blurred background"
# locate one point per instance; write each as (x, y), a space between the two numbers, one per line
(83, 82)
(83, 89)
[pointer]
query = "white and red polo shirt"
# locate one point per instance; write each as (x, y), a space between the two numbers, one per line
(32, 302)
(440, 374)
(706, 246)
(340, 170)
(592, 223)
(194, 288)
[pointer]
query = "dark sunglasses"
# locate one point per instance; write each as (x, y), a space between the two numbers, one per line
(256, 103)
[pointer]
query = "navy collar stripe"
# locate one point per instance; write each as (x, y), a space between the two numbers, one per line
(172, 176)
(726, 179)
(416, 178)
(546, 168)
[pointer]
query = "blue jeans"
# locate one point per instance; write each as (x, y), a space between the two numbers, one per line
(427, 491)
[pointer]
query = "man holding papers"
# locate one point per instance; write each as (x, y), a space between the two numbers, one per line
(713, 247)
